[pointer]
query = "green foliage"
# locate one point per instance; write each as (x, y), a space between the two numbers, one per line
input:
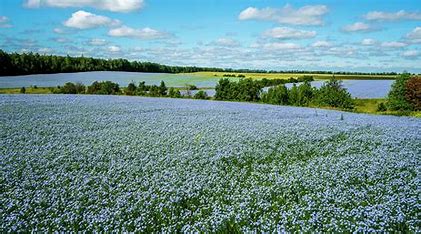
(381, 107)
(103, 87)
(131, 89)
(174, 93)
(71, 88)
(22, 90)
(334, 95)
(277, 95)
(396, 98)
(201, 95)
(243, 90)
(162, 89)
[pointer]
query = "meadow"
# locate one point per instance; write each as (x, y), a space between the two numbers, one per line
(295, 75)
(79, 162)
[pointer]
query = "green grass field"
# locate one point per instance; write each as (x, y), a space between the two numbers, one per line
(294, 75)
(29, 90)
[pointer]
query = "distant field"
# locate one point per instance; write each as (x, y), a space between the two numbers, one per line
(29, 90)
(295, 75)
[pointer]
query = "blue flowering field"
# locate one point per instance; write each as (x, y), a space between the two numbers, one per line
(75, 162)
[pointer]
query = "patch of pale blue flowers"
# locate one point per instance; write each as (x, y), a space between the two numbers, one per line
(71, 163)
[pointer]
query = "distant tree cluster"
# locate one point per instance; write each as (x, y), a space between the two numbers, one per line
(34, 63)
(249, 89)
(405, 94)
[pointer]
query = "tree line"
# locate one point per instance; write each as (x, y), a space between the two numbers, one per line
(331, 93)
(34, 63)
(111, 88)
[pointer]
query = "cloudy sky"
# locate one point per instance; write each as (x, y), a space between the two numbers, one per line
(336, 35)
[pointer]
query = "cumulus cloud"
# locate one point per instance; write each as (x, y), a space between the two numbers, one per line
(415, 35)
(411, 54)
(97, 42)
(393, 44)
(368, 42)
(143, 33)
(281, 46)
(110, 5)
(86, 20)
(321, 44)
(225, 42)
(392, 16)
(5, 22)
(306, 15)
(114, 49)
(289, 33)
(358, 27)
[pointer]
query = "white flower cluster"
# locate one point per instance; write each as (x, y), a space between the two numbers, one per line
(102, 163)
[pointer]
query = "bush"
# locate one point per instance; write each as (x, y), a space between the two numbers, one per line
(201, 95)
(174, 93)
(131, 89)
(103, 87)
(396, 98)
(381, 107)
(334, 95)
(277, 95)
(413, 92)
(22, 90)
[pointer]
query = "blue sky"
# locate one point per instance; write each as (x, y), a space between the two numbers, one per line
(256, 34)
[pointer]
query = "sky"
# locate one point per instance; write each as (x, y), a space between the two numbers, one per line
(365, 36)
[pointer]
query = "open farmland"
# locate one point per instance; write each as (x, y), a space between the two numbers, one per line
(75, 162)
(294, 75)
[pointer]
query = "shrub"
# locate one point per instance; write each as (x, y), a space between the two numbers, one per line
(103, 87)
(201, 95)
(413, 92)
(334, 95)
(277, 95)
(174, 93)
(396, 98)
(131, 89)
(22, 90)
(381, 107)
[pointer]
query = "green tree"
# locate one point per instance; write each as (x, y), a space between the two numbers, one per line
(22, 90)
(201, 95)
(162, 89)
(131, 89)
(396, 98)
(277, 95)
(334, 95)
(174, 93)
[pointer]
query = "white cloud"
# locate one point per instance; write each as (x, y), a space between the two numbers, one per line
(114, 49)
(289, 33)
(415, 35)
(45, 50)
(358, 27)
(59, 31)
(61, 39)
(110, 5)
(5, 22)
(393, 44)
(368, 42)
(321, 44)
(410, 53)
(144, 33)
(86, 20)
(97, 42)
(225, 42)
(306, 15)
(392, 16)
(281, 46)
